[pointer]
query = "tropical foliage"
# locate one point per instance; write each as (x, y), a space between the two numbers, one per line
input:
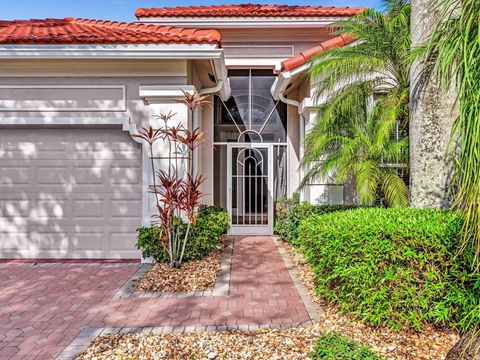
(205, 236)
(289, 212)
(177, 193)
(393, 267)
(331, 346)
(362, 125)
(453, 52)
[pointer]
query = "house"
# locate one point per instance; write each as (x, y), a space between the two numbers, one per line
(74, 182)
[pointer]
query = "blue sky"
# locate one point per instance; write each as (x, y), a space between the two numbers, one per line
(124, 9)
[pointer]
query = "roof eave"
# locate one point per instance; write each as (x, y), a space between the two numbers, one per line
(244, 22)
(111, 51)
(284, 79)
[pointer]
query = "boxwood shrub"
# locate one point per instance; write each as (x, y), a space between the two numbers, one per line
(290, 211)
(395, 267)
(334, 346)
(205, 235)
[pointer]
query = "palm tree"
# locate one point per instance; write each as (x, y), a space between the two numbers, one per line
(366, 85)
(454, 52)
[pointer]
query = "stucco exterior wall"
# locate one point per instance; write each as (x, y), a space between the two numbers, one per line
(94, 93)
(78, 97)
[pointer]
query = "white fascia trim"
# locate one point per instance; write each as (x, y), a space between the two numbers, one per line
(162, 92)
(253, 62)
(243, 22)
(283, 80)
(306, 105)
(152, 51)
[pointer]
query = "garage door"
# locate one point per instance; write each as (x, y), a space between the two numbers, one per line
(69, 193)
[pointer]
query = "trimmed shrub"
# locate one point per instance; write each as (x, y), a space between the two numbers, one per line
(395, 267)
(148, 241)
(205, 235)
(290, 211)
(334, 346)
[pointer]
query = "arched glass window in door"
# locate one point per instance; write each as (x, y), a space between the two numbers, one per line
(250, 114)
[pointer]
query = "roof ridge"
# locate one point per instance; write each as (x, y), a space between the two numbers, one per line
(248, 10)
(307, 55)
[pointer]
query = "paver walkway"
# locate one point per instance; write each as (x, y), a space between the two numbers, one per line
(43, 308)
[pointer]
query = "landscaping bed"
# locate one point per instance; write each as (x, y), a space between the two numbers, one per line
(294, 343)
(432, 344)
(202, 256)
(194, 275)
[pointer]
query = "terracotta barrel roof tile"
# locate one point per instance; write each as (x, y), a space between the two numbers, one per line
(85, 31)
(248, 10)
(309, 54)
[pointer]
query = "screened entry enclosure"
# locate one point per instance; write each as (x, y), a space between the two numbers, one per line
(250, 133)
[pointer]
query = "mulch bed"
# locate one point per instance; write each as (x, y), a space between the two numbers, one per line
(295, 343)
(191, 276)
(432, 344)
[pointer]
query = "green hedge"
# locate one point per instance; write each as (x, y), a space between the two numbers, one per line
(394, 267)
(334, 346)
(290, 211)
(205, 235)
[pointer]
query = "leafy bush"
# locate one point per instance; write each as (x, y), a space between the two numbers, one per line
(334, 346)
(211, 223)
(148, 241)
(394, 267)
(290, 211)
(205, 235)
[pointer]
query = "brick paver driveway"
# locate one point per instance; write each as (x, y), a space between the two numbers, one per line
(43, 307)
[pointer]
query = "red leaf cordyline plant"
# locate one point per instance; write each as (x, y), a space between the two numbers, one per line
(177, 196)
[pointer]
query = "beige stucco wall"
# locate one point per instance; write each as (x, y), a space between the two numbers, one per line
(92, 92)
(86, 92)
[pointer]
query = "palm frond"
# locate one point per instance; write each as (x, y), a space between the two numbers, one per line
(351, 136)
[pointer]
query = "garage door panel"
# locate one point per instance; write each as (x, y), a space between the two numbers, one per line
(54, 239)
(122, 242)
(89, 175)
(52, 175)
(88, 241)
(10, 208)
(85, 209)
(125, 208)
(34, 240)
(69, 193)
(12, 175)
(51, 209)
(124, 175)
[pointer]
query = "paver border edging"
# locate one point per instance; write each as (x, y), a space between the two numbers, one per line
(314, 311)
(69, 264)
(221, 287)
(87, 335)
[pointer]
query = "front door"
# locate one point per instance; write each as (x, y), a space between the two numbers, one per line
(250, 188)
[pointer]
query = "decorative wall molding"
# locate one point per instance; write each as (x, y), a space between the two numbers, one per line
(259, 51)
(17, 104)
(162, 93)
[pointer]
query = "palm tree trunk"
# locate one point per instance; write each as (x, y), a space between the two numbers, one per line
(468, 348)
(431, 120)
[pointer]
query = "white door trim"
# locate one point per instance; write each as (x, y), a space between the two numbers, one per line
(251, 229)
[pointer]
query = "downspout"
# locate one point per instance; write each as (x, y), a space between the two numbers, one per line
(302, 151)
(278, 92)
(212, 90)
(222, 87)
(196, 119)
